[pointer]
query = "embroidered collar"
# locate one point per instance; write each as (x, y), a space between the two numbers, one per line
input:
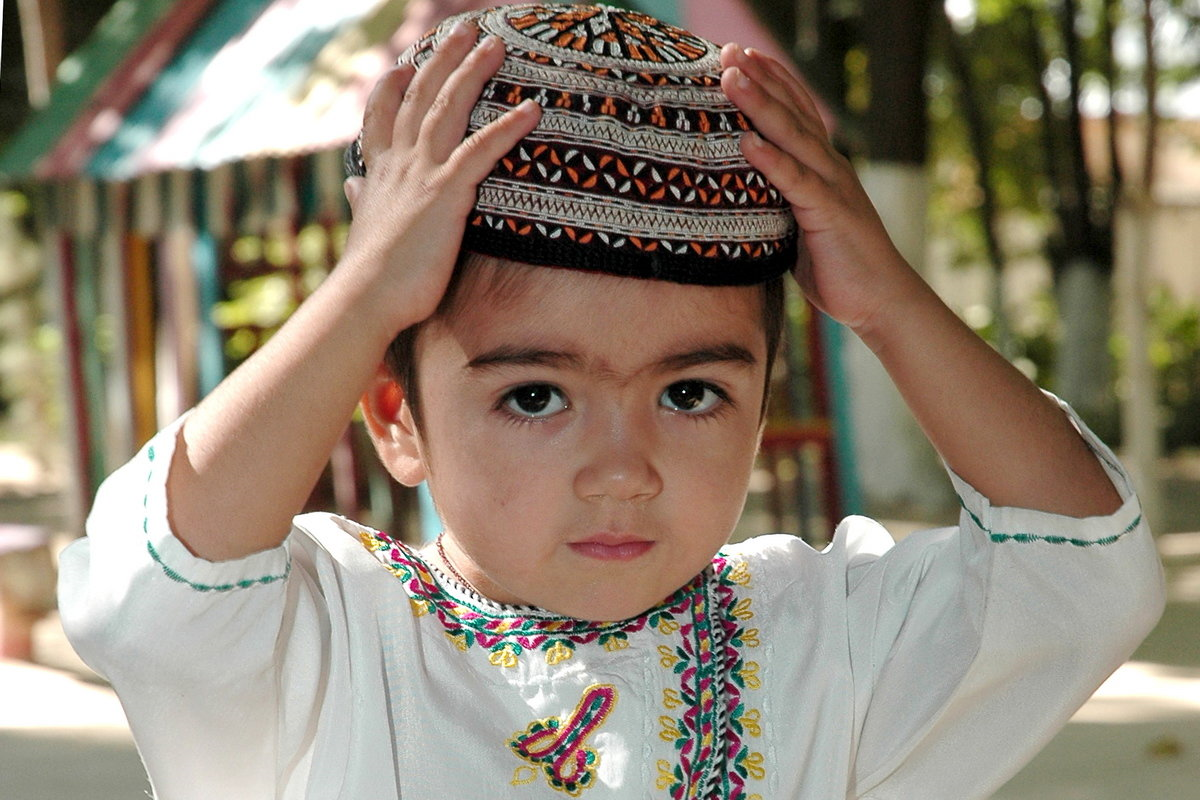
(510, 630)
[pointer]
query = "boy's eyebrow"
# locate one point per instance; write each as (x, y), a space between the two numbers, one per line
(726, 352)
(507, 355)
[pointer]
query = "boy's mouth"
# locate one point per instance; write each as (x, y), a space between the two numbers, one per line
(612, 547)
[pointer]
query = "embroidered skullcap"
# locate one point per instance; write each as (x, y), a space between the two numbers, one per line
(635, 167)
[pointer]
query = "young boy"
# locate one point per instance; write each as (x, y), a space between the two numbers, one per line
(582, 386)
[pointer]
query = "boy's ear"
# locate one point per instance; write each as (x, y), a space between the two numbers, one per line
(390, 423)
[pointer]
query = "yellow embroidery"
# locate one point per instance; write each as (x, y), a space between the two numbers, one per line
(740, 574)
(751, 720)
(671, 699)
(670, 729)
(666, 777)
(370, 542)
(750, 637)
(742, 609)
(524, 775)
(749, 674)
(616, 643)
(558, 653)
(460, 641)
(667, 626)
(754, 766)
(504, 657)
(669, 659)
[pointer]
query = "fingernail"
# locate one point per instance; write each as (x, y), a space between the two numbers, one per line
(461, 29)
(492, 42)
(753, 139)
(740, 79)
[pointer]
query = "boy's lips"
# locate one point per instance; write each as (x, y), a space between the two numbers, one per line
(612, 547)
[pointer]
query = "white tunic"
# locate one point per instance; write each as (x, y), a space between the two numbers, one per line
(339, 665)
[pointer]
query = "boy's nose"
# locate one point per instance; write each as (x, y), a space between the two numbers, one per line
(618, 466)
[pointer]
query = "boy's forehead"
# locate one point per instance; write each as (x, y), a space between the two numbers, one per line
(635, 167)
(489, 289)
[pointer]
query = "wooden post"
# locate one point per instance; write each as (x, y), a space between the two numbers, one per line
(43, 42)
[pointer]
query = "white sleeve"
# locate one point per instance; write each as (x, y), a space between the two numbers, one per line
(971, 647)
(190, 645)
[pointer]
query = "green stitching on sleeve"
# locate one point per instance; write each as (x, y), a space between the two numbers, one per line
(223, 587)
(175, 576)
(1028, 538)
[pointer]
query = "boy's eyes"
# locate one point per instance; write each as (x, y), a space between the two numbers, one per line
(692, 397)
(543, 400)
(534, 401)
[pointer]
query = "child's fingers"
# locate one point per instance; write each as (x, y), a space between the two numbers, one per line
(778, 123)
(799, 185)
(380, 113)
(425, 88)
(478, 154)
(792, 85)
(757, 67)
(447, 119)
(732, 56)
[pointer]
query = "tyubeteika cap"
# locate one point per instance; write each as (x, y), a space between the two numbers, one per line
(635, 168)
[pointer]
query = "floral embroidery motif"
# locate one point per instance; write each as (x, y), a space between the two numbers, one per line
(709, 721)
(558, 747)
(509, 634)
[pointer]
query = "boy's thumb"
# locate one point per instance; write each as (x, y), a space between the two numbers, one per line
(352, 187)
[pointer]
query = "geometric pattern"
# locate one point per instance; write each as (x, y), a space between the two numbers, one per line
(635, 168)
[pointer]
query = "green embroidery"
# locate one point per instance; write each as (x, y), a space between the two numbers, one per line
(175, 576)
(1027, 538)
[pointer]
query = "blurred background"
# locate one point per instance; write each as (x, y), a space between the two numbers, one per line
(170, 190)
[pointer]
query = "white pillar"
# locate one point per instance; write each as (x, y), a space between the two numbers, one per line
(1140, 415)
(898, 469)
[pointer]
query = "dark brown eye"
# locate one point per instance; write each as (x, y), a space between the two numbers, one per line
(535, 400)
(691, 397)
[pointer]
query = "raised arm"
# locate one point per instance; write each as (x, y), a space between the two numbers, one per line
(248, 456)
(992, 426)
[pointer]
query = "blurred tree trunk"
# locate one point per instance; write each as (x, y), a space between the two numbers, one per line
(1140, 425)
(900, 471)
(979, 136)
(1081, 254)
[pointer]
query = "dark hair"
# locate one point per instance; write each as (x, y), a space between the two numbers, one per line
(400, 358)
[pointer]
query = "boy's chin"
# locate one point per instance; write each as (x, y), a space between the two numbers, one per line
(612, 606)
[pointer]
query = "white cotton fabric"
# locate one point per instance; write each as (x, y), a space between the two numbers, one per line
(933, 668)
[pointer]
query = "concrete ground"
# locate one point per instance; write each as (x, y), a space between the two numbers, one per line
(63, 735)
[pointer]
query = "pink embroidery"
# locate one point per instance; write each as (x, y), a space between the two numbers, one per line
(558, 747)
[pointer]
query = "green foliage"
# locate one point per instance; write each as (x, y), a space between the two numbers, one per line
(269, 277)
(1175, 353)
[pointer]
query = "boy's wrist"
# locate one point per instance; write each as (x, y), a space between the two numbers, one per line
(903, 302)
(371, 299)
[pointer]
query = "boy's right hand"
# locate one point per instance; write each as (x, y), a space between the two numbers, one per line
(409, 213)
(248, 456)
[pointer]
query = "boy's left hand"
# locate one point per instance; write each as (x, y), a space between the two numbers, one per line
(848, 267)
(988, 422)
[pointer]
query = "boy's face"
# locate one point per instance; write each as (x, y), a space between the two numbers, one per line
(588, 439)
